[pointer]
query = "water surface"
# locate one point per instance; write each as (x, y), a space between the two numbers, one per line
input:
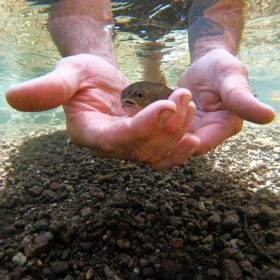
(26, 51)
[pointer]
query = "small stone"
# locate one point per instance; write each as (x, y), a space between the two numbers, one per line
(247, 267)
(125, 259)
(231, 220)
(272, 274)
(271, 237)
(231, 270)
(234, 254)
(7, 201)
(148, 272)
(170, 269)
(150, 208)
(123, 244)
(266, 214)
(41, 225)
(198, 188)
(264, 142)
(110, 273)
(36, 190)
(69, 188)
(213, 272)
(86, 212)
(64, 231)
(90, 274)
(19, 259)
(76, 219)
(49, 195)
(123, 228)
(2, 256)
(175, 221)
(214, 220)
(176, 243)
(59, 267)
(34, 245)
(273, 251)
(56, 186)
(208, 239)
(166, 210)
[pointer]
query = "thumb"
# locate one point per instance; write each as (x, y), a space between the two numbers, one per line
(45, 92)
(238, 98)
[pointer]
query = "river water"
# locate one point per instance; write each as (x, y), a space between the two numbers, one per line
(27, 51)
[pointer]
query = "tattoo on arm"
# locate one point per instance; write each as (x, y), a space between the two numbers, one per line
(199, 26)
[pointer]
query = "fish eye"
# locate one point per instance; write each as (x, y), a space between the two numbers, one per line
(139, 94)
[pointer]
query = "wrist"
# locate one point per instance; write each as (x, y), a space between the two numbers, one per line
(204, 47)
(85, 28)
(215, 25)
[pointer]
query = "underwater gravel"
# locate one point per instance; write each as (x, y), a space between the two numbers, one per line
(65, 214)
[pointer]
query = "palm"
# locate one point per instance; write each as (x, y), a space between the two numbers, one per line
(219, 85)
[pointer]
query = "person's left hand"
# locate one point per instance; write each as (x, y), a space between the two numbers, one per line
(219, 85)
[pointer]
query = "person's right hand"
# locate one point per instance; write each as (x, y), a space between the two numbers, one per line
(89, 89)
(223, 98)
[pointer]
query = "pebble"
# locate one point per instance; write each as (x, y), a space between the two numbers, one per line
(34, 245)
(86, 212)
(49, 195)
(90, 274)
(123, 244)
(148, 272)
(264, 142)
(64, 231)
(110, 273)
(214, 220)
(231, 220)
(170, 269)
(213, 272)
(125, 259)
(69, 188)
(19, 259)
(175, 221)
(271, 274)
(267, 214)
(36, 190)
(59, 267)
(231, 270)
(7, 201)
(176, 243)
(150, 208)
(232, 253)
(272, 237)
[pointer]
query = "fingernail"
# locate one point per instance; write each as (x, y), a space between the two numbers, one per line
(185, 98)
(165, 115)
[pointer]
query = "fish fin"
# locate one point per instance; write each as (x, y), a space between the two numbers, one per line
(163, 80)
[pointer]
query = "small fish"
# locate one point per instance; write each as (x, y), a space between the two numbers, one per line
(140, 94)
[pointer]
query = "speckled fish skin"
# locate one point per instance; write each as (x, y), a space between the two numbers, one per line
(140, 94)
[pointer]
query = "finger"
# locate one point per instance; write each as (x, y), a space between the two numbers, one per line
(212, 134)
(46, 92)
(182, 152)
(122, 137)
(239, 99)
(185, 110)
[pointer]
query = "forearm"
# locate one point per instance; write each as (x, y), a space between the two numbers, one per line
(83, 27)
(215, 24)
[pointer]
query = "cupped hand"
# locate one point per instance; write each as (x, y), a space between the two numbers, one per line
(218, 82)
(89, 89)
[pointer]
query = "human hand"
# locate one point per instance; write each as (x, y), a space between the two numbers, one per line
(218, 82)
(89, 89)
